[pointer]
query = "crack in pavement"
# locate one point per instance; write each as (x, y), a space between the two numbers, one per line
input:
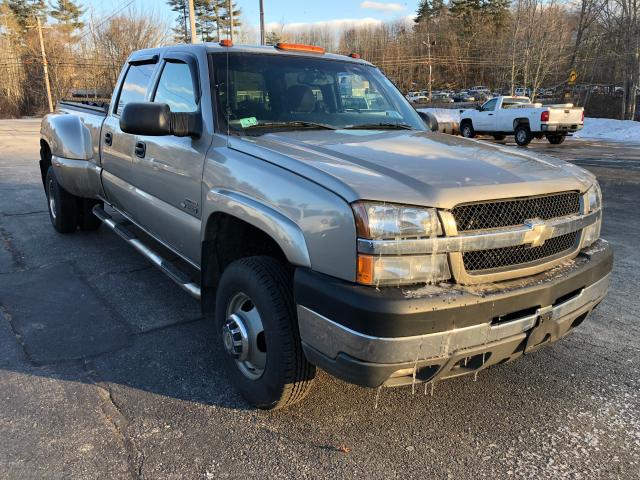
(23, 214)
(117, 421)
(5, 313)
(17, 258)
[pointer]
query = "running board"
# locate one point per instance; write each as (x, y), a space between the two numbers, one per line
(178, 276)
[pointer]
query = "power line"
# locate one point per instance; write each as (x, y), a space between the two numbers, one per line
(116, 12)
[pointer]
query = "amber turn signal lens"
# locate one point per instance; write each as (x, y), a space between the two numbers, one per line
(365, 269)
(299, 47)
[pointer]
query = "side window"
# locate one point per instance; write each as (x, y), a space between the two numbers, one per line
(490, 106)
(176, 88)
(135, 85)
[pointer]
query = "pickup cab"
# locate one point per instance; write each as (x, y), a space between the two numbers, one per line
(317, 234)
(517, 116)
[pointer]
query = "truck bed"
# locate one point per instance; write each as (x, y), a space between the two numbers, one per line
(96, 108)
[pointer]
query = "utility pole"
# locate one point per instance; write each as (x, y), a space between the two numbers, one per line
(192, 22)
(429, 55)
(230, 7)
(262, 22)
(45, 66)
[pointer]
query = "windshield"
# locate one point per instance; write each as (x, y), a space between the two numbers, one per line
(259, 93)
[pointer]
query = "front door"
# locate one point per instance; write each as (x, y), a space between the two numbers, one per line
(486, 117)
(169, 168)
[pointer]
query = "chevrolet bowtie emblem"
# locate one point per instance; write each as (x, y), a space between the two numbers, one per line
(539, 233)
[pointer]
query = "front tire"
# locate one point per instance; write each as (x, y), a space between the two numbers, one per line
(63, 206)
(523, 135)
(256, 316)
(555, 139)
(467, 131)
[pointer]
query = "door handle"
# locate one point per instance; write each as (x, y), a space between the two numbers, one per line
(140, 149)
(490, 114)
(108, 138)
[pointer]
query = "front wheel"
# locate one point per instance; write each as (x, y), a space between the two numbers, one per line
(467, 130)
(523, 135)
(258, 326)
(555, 139)
(63, 206)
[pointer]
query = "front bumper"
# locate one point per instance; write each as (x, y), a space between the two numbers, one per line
(396, 336)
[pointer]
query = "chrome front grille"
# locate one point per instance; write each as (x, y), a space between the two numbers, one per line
(488, 261)
(498, 215)
(512, 212)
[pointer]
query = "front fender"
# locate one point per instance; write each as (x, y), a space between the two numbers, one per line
(67, 136)
(284, 231)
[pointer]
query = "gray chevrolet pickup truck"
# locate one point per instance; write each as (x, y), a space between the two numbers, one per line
(303, 201)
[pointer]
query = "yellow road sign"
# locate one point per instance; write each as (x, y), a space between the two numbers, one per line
(573, 76)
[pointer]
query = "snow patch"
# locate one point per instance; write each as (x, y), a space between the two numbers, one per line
(609, 129)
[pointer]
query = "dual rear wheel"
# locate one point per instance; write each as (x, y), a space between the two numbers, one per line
(68, 212)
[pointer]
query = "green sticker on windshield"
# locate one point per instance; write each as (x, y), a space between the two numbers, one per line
(248, 122)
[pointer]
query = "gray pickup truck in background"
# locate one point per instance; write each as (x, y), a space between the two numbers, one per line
(302, 200)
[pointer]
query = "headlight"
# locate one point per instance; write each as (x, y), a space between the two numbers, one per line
(593, 201)
(381, 221)
(593, 198)
(394, 223)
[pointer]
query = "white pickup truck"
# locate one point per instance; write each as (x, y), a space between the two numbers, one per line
(502, 116)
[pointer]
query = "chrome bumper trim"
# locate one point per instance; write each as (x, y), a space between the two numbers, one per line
(331, 338)
(487, 239)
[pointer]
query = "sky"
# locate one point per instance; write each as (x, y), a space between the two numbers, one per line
(333, 12)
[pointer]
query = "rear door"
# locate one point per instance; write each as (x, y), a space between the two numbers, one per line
(117, 147)
(168, 169)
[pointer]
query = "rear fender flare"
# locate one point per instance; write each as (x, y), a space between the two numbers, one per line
(67, 136)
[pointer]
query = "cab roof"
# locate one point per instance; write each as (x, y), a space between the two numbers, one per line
(215, 47)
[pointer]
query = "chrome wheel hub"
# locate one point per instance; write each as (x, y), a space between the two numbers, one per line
(243, 336)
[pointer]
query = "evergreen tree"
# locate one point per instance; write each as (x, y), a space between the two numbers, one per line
(271, 38)
(25, 11)
(181, 30)
(68, 14)
(428, 9)
(225, 17)
(496, 10)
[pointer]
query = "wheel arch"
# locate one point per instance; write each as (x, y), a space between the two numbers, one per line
(520, 121)
(236, 226)
(45, 160)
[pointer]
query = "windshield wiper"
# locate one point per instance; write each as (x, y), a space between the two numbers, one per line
(293, 124)
(379, 126)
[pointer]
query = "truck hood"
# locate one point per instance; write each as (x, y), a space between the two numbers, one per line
(417, 168)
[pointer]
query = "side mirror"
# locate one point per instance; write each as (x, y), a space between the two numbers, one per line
(428, 120)
(479, 108)
(156, 119)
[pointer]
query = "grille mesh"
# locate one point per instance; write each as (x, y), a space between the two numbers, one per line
(512, 212)
(519, 255)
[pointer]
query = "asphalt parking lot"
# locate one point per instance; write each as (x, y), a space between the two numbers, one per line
(109, 371)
